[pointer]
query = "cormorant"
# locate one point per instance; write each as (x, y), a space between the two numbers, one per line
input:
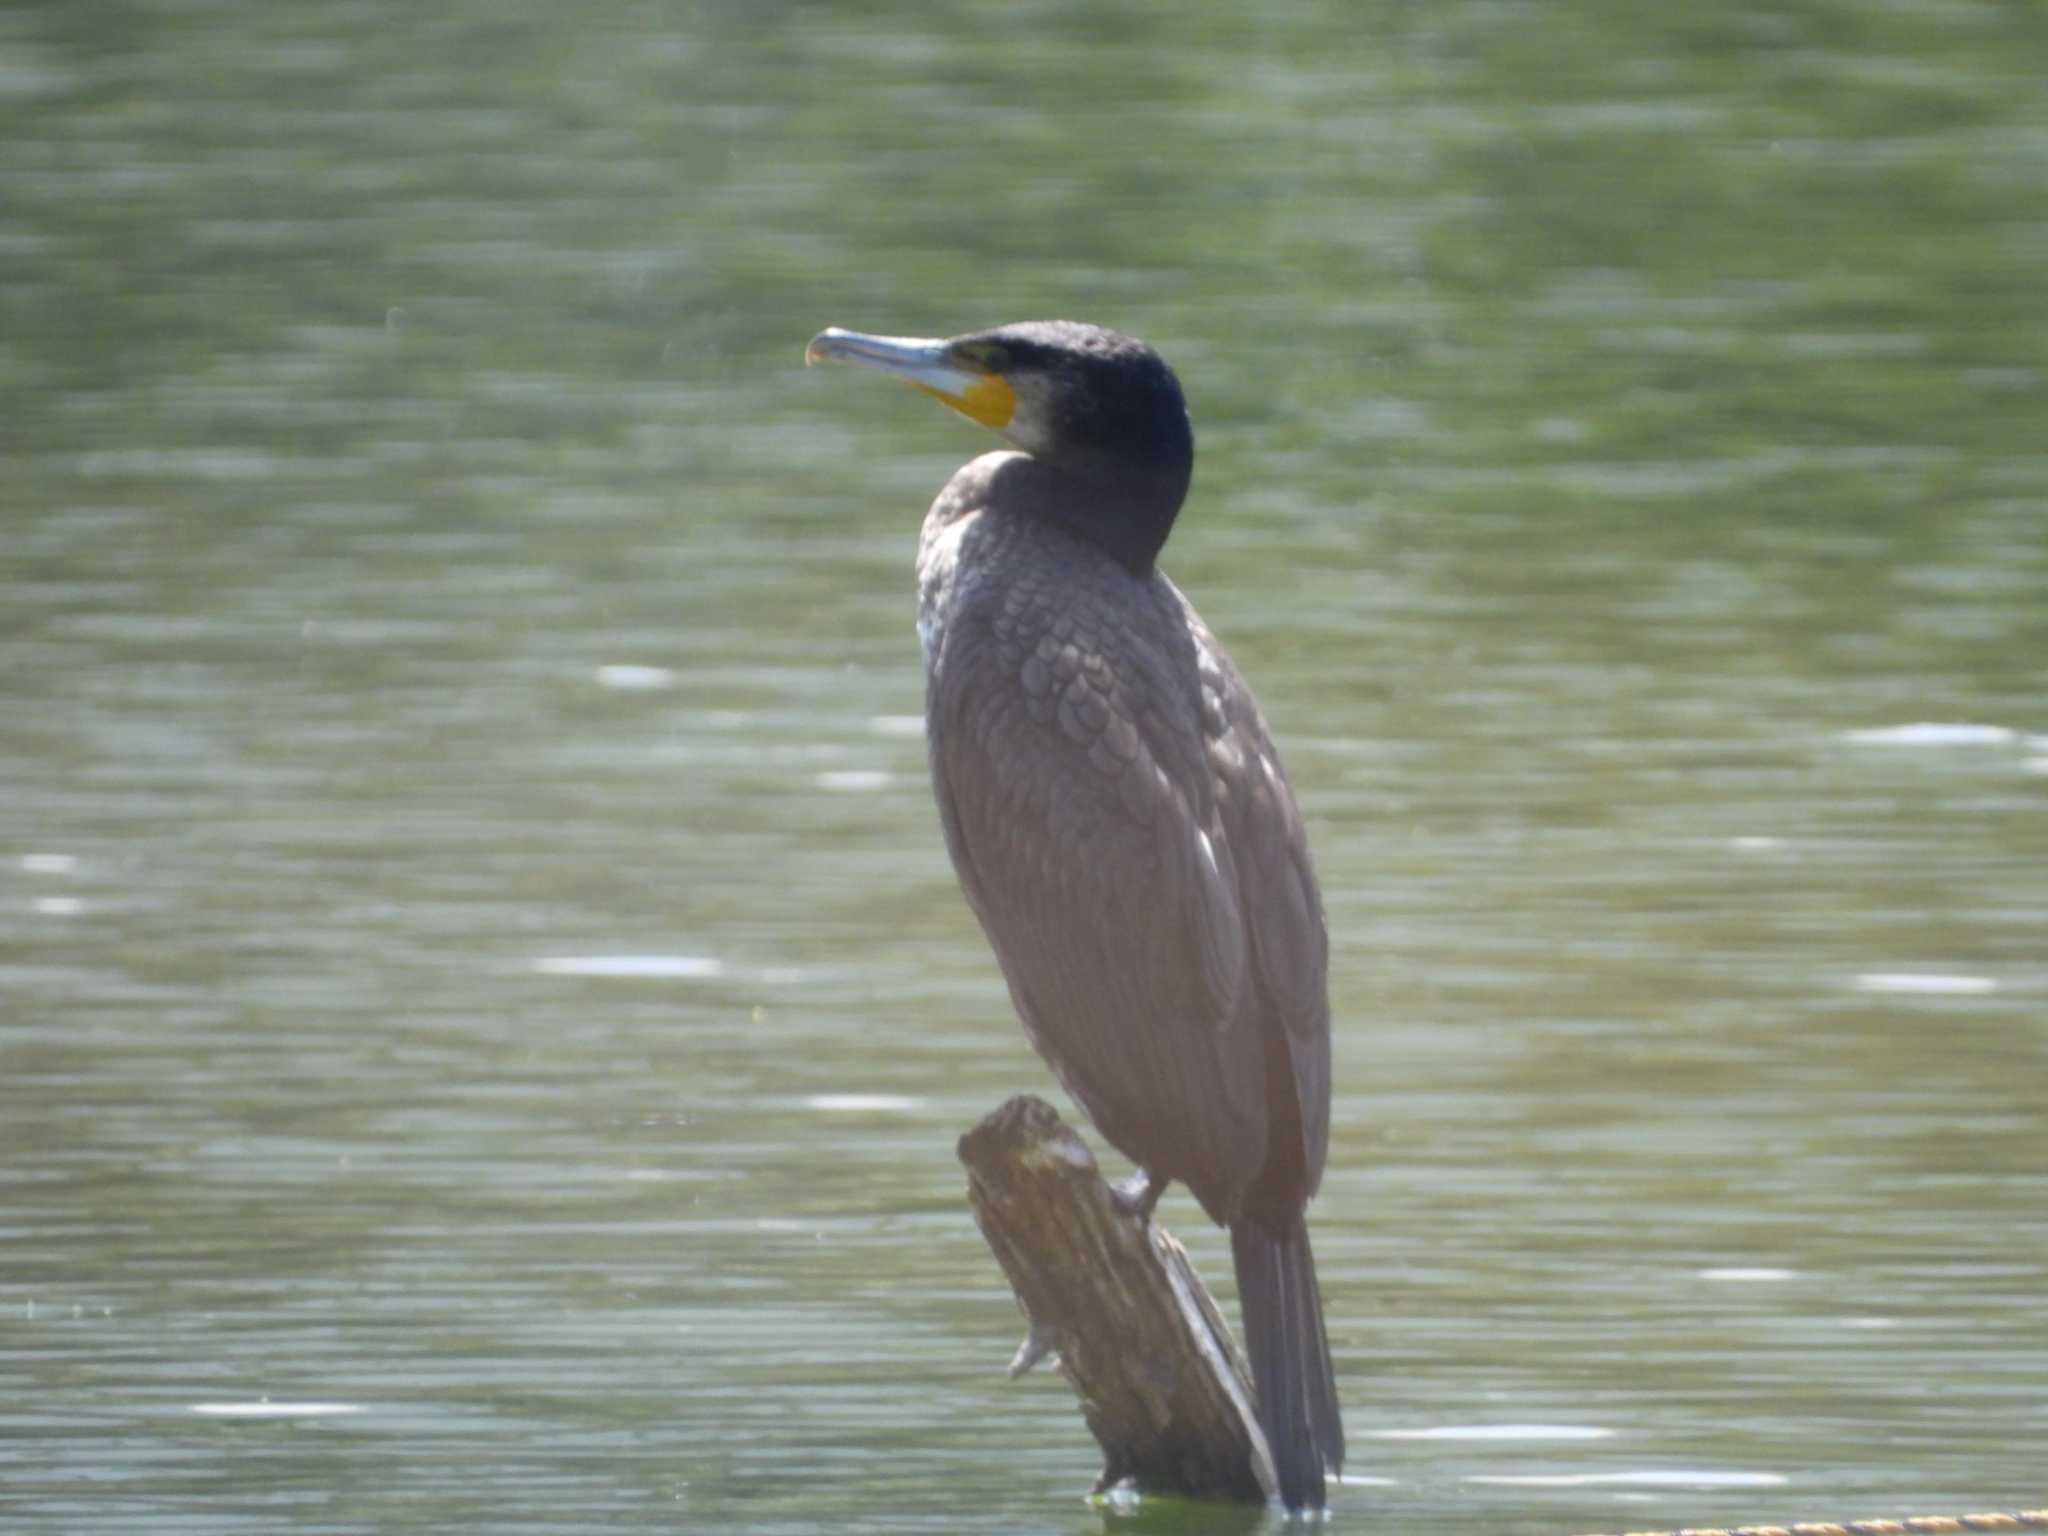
(1119, 819)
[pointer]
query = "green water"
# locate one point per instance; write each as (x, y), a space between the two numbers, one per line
(451, 1083)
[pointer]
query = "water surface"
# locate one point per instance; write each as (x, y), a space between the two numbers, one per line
(484, 1013)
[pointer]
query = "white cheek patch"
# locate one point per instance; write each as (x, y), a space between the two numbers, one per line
(1025, 427)
(1024, 434)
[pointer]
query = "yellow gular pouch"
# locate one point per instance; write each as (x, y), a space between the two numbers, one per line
(988, 400)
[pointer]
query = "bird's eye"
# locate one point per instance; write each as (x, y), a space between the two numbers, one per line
(990, 355)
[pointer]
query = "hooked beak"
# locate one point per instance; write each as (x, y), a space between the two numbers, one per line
(930, 364)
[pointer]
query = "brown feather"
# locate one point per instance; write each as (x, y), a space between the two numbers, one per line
(1120, 823)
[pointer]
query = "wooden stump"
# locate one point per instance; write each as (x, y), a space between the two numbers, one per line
(1160, 1379)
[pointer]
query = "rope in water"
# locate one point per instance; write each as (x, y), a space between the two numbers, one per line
(2025, 1520)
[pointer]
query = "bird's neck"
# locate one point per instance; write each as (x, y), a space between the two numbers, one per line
(1125, 514)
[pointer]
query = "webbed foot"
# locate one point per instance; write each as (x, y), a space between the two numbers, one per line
(1137, 1195)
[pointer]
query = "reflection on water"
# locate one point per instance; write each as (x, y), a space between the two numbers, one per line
(484, 1012)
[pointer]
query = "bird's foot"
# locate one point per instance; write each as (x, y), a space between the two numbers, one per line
(1114, 1471)
(1137, 1195)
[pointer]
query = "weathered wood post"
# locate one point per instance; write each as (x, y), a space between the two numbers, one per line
(1160, 1379)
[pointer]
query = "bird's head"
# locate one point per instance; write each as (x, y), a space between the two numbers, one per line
(1100, 408)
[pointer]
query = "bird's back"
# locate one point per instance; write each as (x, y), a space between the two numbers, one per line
(1120, 824)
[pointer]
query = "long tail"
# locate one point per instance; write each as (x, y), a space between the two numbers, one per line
(1283, 1330)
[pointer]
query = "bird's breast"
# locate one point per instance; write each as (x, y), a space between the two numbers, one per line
(943, 571)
